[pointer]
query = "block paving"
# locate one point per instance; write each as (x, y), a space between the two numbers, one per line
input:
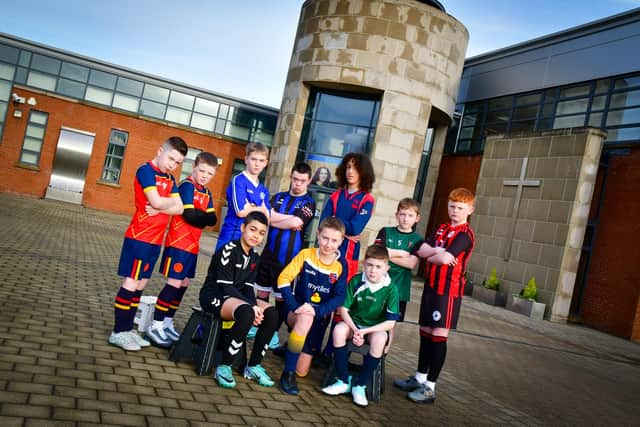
(56, 369)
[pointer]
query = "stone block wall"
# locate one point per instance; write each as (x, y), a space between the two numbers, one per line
(408, 53)
(551, 219)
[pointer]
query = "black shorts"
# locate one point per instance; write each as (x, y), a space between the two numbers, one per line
(268, 271)
(439, 311)
(211, 302)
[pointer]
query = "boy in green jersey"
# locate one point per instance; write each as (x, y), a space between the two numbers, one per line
(399, 241)
(370, 310)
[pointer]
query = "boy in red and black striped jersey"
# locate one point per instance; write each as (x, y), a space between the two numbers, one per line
(181, 247)
(447, 252)
(156, 199)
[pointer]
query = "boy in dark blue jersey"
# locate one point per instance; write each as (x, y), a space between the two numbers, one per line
(291, 212)
(245, 194)
(313, 285)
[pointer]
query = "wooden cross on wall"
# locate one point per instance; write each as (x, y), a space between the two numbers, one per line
(519, 183)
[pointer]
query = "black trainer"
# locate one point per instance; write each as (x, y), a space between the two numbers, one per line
(288, 383)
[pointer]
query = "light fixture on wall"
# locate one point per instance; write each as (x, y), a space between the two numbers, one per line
(17, 114)
(17, 99)
(32, 101)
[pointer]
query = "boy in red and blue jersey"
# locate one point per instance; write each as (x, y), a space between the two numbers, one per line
(245, 194)
(181, 247)
(156, 199)
(447, 251)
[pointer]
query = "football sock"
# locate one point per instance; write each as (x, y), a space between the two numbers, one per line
(368, 366)
(122, 308)
(438, 354)
(265, 332)
(243, 319)
(163, 303)
(177, 299)
(342, 362)
(135, 302)
(424, 357)
(431, 385)
(294, 347)
(421, 377)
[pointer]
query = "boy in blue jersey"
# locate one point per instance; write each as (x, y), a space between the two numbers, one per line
(291, 212)
(369, 313)
(313, 285)
(245, 194)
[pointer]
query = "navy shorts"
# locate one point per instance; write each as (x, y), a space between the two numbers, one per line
(137, 259)
(178, 264)
(439, 311)
(315, 337)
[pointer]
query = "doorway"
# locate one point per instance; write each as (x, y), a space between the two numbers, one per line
(70, 165)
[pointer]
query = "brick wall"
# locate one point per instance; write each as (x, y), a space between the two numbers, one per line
(612, 293)
(145, 136)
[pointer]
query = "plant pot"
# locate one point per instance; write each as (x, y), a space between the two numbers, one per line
(526, 307)
(489, 296)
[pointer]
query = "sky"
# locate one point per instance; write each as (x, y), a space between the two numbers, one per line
(242, 48)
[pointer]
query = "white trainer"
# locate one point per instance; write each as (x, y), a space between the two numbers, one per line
(124, 340)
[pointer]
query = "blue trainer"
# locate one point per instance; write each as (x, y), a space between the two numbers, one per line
(225, 376)
(259, 374)
(252, 332)
(275, 341)
(158, 337)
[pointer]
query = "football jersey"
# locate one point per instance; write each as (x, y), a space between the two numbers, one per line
(371, 303)
(241, 191)
(232, 273)
(144, 227)
(183, 235)
(306, 279)
(354, 210)
(392, 238)
(459, 241)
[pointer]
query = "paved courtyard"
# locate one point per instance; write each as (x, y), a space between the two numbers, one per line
(58, 265)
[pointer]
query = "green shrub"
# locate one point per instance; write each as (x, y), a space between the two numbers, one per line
(492, 282)
(530, 291)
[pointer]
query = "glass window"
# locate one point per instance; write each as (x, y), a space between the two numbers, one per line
(235, 131)
(41, 81)
(222, 112)
(34, 135)
(623, 117)
(627, 82)
(474, 107)
(25, 58)
(598, 102)
(201, 121)
(495, 129)
(625, 99)
(498, 116)
(241, 117)
(3, 111)
(595, 119)
(469, 132)
(8, 53)
(98, 95)
(573, 106)
(499, 103)
(128, 86)
(181, 100)
(7, 71)
(46, 64)
(623, 134)
(155, 93)
(206, 107)
(575, 91)
(21, 75)
(261, 136)
(526, 112)
(71, 88)
(529, 99)
(220, 125)
(5, 90)
(115, 154)
(178, 115)
(152, 109)
(341, 109)
(74, 72)
(187, 164)
(102, 79)
(569, 121)
(523, 126)
(126, 102)
(548, 110)
(602, 86)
